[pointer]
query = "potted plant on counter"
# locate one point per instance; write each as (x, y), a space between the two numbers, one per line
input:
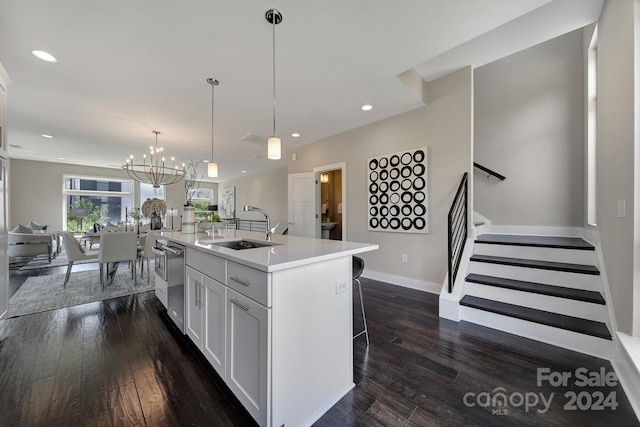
(154, 209)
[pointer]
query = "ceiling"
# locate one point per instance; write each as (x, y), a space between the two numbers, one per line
(128, 68)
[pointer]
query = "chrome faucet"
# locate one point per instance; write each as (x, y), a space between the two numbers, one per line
(270, 230)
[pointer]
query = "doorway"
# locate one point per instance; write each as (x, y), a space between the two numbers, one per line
(331, 203)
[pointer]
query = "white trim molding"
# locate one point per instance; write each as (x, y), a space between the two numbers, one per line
(405, 282)
(626, 362)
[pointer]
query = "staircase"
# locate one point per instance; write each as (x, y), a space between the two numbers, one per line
(546, 288)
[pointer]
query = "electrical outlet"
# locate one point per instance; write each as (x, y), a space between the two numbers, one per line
(405, 258)
(341, 286)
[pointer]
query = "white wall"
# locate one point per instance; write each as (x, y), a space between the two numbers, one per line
(529, 127)
(35, 190)
(444, 125)
(615, 153)
(267, 191)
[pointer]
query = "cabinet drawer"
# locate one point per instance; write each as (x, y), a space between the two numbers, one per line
(208, 264)
(249, 282)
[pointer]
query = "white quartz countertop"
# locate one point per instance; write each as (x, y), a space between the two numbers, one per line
(287, 251)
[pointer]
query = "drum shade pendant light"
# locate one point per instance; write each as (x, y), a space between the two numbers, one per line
(155, 172)
(212, 169)
(273, 143)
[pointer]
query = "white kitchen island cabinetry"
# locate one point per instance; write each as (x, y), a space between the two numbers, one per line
(194, 323)
(288, 336)
(206, 323)
(248, 353)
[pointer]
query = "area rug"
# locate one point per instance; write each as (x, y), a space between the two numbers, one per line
(60, 260)
(43, 293)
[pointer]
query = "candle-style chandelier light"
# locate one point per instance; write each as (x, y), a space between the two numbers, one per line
(154, 172)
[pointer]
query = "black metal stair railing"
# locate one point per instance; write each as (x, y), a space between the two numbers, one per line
(246, 224)
(489, 172)
(457, 228)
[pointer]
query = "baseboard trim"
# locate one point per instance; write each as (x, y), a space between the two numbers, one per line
(626, 362)
(405, 282)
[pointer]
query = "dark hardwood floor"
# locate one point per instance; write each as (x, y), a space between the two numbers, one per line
(119, 362)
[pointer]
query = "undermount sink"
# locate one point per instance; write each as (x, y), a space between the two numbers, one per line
(328, 225)
(243, 244)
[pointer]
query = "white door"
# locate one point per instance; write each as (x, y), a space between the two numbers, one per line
(302, 198)
(215, 324)
(193, 305)
(247, 357)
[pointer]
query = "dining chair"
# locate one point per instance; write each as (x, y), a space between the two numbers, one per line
(75, 252)
(147, 252)
(117, 247)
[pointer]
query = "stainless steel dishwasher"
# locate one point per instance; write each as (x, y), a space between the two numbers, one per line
(169, 265)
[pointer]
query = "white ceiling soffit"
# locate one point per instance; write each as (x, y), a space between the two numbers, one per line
(127, 68)
(540, 25)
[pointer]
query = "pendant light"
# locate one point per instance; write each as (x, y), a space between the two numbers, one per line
(274, 17)
(212, 169)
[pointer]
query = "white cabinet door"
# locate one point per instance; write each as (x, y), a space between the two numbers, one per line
(247, 353)
(193, 304)
(215, 324)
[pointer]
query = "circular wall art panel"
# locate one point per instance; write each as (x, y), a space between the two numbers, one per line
(397, 192)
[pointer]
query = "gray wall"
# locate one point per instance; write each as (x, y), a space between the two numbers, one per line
(616, 152)
(529, 126)
(444, 126)
(267, 190)
(35, 190)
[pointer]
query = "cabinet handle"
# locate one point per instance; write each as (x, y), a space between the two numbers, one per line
(200, 293)
(242, 306)
(239, 280)
(197, 294)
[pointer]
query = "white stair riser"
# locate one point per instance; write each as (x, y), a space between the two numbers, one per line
(597, 347)
(543, 254)
(549, 277)
(568, 307)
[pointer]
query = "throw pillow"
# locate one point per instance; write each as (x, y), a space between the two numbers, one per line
(34, 226)
(22, 229)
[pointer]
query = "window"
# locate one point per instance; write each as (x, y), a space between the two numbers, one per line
(201, 199)
(148, 192)
(105, 200)
(592, 115)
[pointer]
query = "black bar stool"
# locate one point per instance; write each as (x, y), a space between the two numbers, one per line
(358, 267)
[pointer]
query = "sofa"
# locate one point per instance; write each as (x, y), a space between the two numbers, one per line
(25, 242)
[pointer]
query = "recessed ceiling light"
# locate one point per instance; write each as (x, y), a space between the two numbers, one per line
(244, 171)
(60, 158)
(206, 161)
(366, 107)
(46, 136)
(295, 135)
(45, 56)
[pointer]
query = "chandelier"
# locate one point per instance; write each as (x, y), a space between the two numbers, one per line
(154, 172)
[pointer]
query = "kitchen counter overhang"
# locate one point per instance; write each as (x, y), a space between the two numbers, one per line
(286, 251)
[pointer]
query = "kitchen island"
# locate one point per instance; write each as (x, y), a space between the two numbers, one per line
(275, 321)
